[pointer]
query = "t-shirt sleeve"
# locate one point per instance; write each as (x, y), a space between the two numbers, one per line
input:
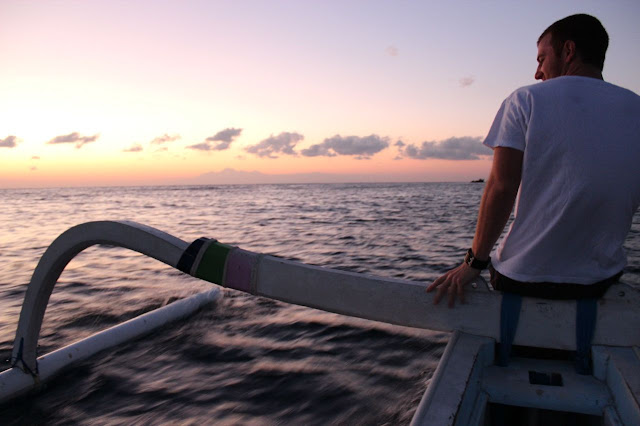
(509, 128)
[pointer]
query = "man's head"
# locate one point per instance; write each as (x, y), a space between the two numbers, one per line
(575, 43)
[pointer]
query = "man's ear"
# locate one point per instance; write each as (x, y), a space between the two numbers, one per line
(569, 53)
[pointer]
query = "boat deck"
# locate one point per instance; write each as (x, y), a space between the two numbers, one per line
(467, 381)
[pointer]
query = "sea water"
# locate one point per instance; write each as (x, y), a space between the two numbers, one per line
(245, 360)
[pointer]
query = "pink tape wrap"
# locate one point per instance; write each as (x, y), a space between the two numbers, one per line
(239, 268)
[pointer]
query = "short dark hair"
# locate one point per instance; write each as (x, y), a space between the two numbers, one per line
(586, 32)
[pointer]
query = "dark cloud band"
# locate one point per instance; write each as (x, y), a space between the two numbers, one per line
(9, 142)
(226, 135)
(463, 148)
(164, 139)
(284, 143)
(359, 147)
(204, 146)
(74, 137)
(221, 141)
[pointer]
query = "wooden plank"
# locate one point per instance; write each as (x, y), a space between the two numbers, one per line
(479, 410)
(454, 391)
(611, 417)
(579, 393)
(623, 378)
(406, 303)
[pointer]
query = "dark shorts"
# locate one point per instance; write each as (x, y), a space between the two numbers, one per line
(545, 290)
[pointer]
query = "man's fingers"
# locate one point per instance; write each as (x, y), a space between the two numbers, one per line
(453, 282)
(436, 283)
(452, 294)
(439, 294)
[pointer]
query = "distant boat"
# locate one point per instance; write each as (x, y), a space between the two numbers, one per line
(478, 181)
(464, 388)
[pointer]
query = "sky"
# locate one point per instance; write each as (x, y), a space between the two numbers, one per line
(169, 92)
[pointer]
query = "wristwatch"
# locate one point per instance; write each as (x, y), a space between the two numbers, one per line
(471, 260)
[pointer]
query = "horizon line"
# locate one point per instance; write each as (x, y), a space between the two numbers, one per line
(235, 184)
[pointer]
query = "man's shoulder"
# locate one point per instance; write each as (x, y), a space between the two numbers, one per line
(567, 84)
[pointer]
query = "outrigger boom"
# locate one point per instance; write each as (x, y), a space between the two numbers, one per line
(388, 300)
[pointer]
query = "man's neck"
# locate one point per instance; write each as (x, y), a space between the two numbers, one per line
(583, 70)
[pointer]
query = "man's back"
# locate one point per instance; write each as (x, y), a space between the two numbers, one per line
(566, 154)
(580, 182)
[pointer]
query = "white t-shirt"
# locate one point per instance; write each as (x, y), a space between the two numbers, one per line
(580, 179)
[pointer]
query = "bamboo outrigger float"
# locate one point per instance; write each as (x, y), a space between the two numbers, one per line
(466, 379)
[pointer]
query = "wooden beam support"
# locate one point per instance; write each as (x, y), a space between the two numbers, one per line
(454, 396)
(578, 393)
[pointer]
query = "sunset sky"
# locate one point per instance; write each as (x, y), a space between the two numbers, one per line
(162, 92)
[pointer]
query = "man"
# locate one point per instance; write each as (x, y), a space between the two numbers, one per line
(567, 153)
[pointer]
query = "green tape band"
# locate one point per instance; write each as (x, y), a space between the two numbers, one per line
(211, 267)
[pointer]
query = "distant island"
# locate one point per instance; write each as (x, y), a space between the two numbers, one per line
(478, 181)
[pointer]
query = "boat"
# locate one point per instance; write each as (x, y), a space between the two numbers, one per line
(467, 387)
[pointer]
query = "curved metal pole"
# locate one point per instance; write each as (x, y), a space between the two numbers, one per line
(143, 239)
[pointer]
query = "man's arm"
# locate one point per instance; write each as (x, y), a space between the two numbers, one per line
(496, 205)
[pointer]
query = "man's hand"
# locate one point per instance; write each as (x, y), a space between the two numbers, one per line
(453, 283)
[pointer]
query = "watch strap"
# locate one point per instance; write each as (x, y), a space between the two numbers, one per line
(471, 260)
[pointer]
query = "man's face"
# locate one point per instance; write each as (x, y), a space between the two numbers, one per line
(550, 64)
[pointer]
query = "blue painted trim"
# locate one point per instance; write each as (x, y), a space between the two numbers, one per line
(509, 316)
(586, 314)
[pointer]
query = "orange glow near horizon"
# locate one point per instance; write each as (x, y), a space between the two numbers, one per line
(179, 166)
